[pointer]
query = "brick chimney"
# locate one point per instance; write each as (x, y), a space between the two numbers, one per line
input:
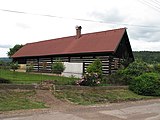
(78, 31)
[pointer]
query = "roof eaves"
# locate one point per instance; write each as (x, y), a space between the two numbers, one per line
(81, 53)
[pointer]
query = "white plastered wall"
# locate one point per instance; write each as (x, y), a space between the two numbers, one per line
(73, 69)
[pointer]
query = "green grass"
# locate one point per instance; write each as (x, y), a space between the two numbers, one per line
(28, 78)
(16, 100)
(87, 97)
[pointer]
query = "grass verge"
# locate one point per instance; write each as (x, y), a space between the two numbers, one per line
(88, 97)
(28, 78)
(16, 100)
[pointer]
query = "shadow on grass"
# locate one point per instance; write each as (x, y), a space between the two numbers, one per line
(2, 80)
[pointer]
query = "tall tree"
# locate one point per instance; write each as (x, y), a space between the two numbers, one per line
(14, 49)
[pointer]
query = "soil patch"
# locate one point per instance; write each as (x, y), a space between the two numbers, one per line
(51, 101)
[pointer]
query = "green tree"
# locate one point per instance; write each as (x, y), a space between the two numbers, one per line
(156, 67)
(148, 56)
(14, 50)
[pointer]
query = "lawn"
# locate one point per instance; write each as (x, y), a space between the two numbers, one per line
(30, 78)
(16, 100)
(88, 97)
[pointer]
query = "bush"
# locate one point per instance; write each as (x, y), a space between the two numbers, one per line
(93, 77)
(124, 76)
(146, 84)
(58, 67)
(14, 66)
(121, 77)
(95, 67)
(29, 67)
(89, 80)
(137, 68)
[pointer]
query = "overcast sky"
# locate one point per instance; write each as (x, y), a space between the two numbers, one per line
(39, 20)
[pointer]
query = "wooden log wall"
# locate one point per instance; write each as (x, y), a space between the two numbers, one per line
(115, 64)
(104, 60)
(45, 65)
(34, 63)
(109, 64)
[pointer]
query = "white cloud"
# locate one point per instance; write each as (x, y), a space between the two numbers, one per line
(5, 46)
(140, 45)
(19, 28)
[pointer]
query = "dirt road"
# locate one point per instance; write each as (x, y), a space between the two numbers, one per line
(140, 110)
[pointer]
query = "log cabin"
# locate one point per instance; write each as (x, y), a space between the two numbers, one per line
(112, 47)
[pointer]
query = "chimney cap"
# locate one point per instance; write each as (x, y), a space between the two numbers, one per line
(78, 27)
(78, 31)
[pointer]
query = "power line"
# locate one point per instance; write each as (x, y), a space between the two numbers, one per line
(79, 19)
(150, 5)
(21, 12)
(157, 3)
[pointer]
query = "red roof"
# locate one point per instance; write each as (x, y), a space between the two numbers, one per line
(105, 41)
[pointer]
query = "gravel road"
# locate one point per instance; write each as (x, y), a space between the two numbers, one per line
(139, 110)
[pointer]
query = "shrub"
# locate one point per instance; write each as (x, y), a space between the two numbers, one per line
(93, 77)
(124, 76)
(29, 67)
(58, 67)
(14, 66)
(137, 68)
(121, 77)
(146, 84)
(95, 67)
(89, 80)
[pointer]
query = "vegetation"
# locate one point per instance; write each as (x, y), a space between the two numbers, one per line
(124, 76)
(14, 50)
(142, 78)
(93, 76)
(15, 100)
(4, 65)
(146, 84)
(156, 67)
(29, 67)
(2, 80)
(150, 57)
(87, 97)
(14, 66)
(5, 59)
(95, 67)
(58, 67)
(30, 78)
